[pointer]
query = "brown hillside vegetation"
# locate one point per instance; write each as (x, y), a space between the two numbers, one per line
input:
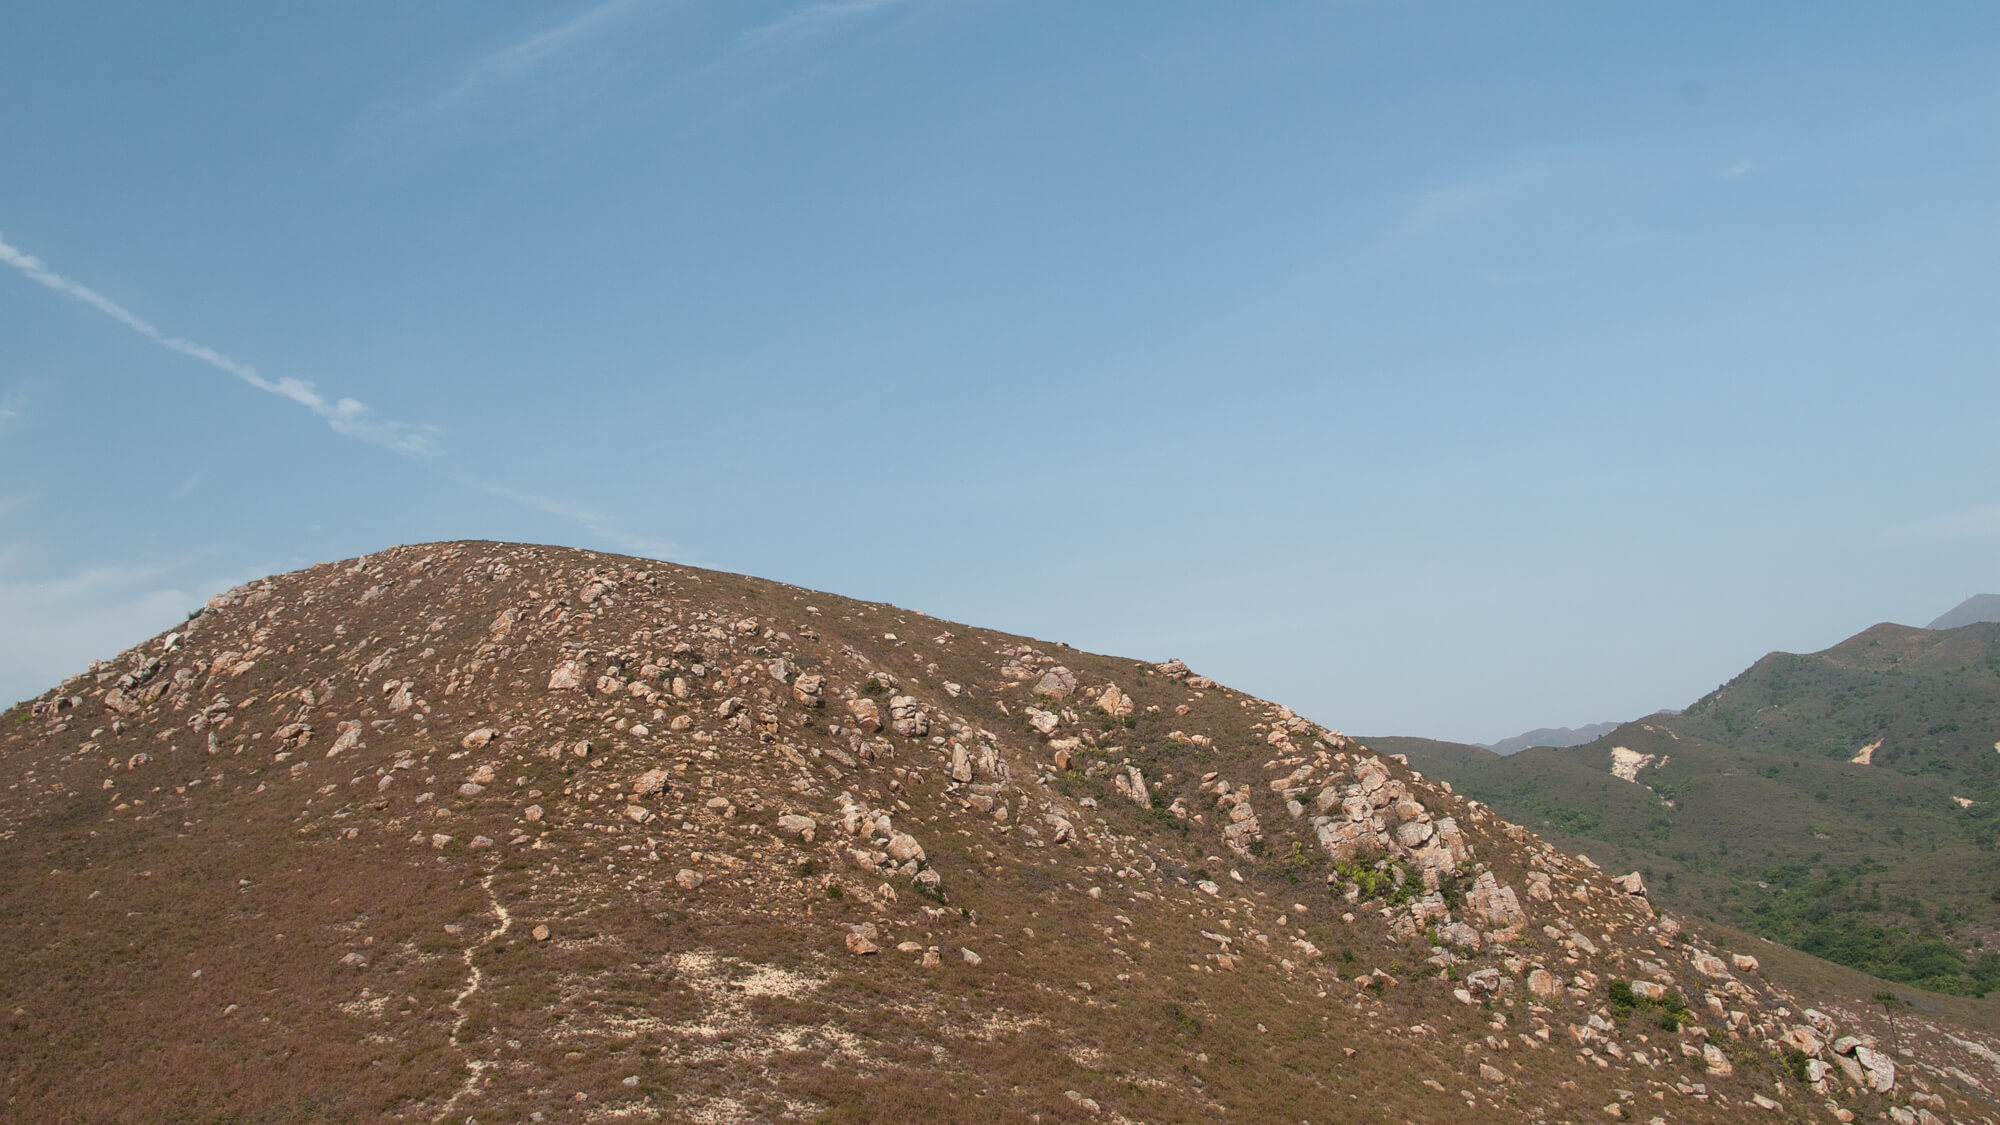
(496, 833)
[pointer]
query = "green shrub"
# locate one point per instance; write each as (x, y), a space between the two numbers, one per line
(1621, 994)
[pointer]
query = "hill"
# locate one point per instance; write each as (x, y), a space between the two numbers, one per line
(1843, 802)
(478, 831)
(1971, 611)
(1553, 736)
(1429, 753)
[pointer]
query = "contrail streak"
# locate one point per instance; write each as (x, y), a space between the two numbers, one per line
(347, 417)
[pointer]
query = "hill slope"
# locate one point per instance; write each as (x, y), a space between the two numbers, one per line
(482, 831)
(1843, 802)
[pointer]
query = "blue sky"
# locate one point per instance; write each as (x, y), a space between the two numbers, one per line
(1444, 369)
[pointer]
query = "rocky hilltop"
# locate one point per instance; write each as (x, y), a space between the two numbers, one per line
(488, 832)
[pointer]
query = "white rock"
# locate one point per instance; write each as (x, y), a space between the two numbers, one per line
(904, 848)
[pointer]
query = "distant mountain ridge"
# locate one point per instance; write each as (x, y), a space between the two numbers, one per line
(1972, 611)
(1552, 736)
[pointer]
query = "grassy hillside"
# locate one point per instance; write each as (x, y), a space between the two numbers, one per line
(1751, 808)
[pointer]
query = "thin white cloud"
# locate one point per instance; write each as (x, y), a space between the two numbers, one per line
(1970, 523)
(346, 416)
(1739, 169)
(516, 61)
(57, 625)
(810, 21)
(1474, 196)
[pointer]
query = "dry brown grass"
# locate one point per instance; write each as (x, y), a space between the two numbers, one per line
(734, 1002)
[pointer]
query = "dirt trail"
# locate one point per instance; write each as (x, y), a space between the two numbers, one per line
(473, 980)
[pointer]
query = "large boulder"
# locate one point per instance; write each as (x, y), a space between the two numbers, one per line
(866, 714)
(1494, 902)
(1056, 683)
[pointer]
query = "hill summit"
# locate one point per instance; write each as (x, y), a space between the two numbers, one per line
(489, 832)
(1972, 611)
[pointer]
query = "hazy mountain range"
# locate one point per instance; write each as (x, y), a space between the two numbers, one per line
(1971, 611)
(1551, 736)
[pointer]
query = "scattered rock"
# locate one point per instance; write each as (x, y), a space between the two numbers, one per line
(348, 738)
(903, 848)
(1709, 965)
(1881, 1070)
(1135, 787)
(906, 718)
(810, 690)
(866, 714)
